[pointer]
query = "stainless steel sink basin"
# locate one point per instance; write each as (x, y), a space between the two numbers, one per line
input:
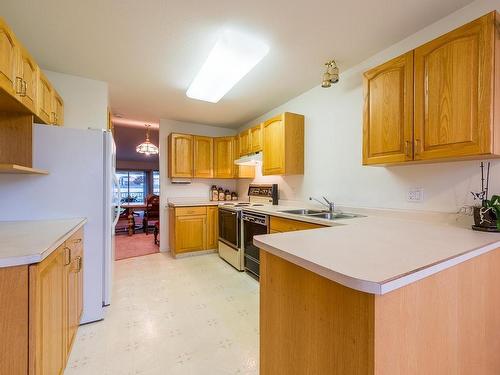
(302, 212)
(335, 215)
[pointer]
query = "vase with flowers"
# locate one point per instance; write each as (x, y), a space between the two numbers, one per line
(486, 214)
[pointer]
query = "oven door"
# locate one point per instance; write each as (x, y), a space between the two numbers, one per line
(229, 224)
(252, 252)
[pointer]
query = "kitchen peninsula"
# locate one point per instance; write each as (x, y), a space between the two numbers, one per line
(41, 283)
(380, 295)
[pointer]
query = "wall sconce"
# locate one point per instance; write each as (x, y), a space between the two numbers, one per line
(331, 75)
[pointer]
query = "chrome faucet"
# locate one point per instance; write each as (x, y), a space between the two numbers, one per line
(329, 204)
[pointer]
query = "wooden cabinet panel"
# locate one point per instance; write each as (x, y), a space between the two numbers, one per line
(283, 145)
(74, 285)
(256, 138)
(14, 302)
(57, 109)
(453, 92)
(28, 71)
(180, 155)
(44, 99)
(245, 142)
(47, 320)
(388, 112)
(279, 224)
(224, 157)
(203, 156)
(190, 233)
(212, 227)
(273, 155)
(8, 64)
(195, 210)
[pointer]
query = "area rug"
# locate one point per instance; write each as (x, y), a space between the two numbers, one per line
(134, 246)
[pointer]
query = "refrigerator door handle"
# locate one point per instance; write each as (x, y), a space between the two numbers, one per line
(118, 206)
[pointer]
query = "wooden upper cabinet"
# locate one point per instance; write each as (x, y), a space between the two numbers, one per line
(22, 80)
(8, 61)
(453, 114)
(28, 72)
(44, 99)
(454, 77)
(57, 109)
(244, 142)
(180, 155)
(224, 157)
(256, 138)
(388, 112)
(203, 156)
(283, 146)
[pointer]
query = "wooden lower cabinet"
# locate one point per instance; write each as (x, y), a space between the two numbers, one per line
(40, 309)
(212, 227)
(47, 306)
(447, 323)
(14, 309)
(193, 229)
(279, 224)
(74, 282)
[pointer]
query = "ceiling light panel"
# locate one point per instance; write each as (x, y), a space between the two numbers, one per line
(232, 57)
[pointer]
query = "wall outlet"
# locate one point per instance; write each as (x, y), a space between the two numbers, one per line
(416, 195)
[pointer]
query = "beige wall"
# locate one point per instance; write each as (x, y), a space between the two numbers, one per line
(333, 143)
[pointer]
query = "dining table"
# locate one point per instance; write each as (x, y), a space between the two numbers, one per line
(132, 207)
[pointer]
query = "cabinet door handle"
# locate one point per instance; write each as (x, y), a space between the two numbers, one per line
(407, 149)
(19, 85)
(77, 240)
(24, 88)
(67, 253)
(79, 263)
(417, 146)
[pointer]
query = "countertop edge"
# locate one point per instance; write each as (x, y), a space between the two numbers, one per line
(25, 260)
(378, 288)
(192, 204)
(303, 218)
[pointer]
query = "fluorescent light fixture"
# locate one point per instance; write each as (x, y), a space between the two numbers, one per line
(232, 57)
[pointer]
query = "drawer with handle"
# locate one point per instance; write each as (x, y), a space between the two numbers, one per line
(183, 211)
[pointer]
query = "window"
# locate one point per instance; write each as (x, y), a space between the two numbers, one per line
(156, 182)
(132, 186)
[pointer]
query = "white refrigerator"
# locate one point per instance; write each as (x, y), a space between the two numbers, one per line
(81, 183)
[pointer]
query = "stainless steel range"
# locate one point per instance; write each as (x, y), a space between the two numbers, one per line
(231, 240)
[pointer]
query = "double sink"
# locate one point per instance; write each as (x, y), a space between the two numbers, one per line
(322, 214)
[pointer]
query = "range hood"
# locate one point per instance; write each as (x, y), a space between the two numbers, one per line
(252, 159)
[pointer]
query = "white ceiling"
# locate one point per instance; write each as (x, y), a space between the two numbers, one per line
(149, 51)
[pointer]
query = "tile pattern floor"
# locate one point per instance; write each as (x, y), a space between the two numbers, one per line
(189, 316)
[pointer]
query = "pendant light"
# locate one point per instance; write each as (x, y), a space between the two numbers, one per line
(147, 147)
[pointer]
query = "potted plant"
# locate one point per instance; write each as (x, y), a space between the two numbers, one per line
(487, 214)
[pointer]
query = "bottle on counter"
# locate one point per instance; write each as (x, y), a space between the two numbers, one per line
(214, 193)
(234, 196)
(222, 196)
(228, 195)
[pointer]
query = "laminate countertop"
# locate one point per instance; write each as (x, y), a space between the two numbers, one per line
(27, 242)
(380, 252)
(192, 202)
